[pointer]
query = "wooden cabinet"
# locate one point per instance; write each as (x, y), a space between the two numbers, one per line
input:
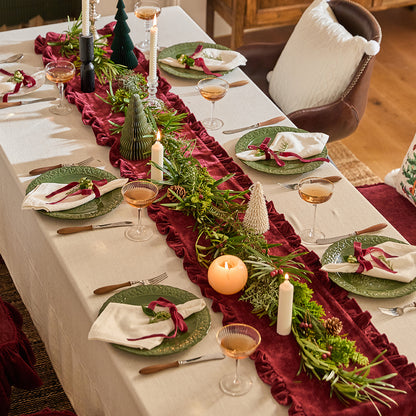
(251, 14)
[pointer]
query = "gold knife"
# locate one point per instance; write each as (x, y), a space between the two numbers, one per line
(17, 103)
(260, 124)
(159, 367)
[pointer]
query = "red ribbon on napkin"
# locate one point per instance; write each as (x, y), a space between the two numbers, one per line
(366, 265)
(176, 317)
(95, 185)
(271, 153)
(28, 81)
(200, 62)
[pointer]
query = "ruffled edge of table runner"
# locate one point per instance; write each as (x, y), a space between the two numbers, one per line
(282, 387)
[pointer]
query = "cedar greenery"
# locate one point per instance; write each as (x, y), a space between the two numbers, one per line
(105, 68)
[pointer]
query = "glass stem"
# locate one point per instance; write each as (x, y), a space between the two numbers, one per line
(236, 379)
(212, 110)
(61, 94)
(313, 229)
(139, 218)
(147, 26)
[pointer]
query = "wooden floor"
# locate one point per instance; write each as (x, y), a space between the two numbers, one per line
(389, 123)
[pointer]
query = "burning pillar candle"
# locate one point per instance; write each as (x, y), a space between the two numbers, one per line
(284, 312)
(153, 50)
(157, 157)
(227, 274)
(85, 17)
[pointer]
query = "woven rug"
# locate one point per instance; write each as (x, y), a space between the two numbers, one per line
(51, 394)
(357, 172)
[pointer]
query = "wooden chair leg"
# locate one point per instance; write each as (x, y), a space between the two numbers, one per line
(209, 20)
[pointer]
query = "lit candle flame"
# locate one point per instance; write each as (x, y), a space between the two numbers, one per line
(154, 20)
(158, 136)
(226, 265)
(286, 276)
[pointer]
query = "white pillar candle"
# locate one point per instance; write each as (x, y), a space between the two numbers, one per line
(85, 17)
(157, 157)
(284, 312)
(153, 50)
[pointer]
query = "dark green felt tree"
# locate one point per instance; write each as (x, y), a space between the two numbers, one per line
(122, 45)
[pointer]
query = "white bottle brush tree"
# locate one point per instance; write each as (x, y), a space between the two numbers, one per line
(256, 219)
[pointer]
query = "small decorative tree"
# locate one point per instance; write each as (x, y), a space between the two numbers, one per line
(122, 45)
(137, 135)
(256, 219)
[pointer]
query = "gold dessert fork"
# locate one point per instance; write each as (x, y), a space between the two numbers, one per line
(398, 310)
(153, 281)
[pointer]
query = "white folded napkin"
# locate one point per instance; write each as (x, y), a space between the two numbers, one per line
(404, 264)
(6, 86)
(303, 144)
(119, 322)
(36, 199)
(214, 59)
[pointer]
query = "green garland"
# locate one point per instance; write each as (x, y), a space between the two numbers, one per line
(104, 67)
(325, 354)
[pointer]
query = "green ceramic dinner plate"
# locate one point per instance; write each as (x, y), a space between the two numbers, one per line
(291, 167)
(361, 284)
(198, 323)
(187, 48)
(92, 209)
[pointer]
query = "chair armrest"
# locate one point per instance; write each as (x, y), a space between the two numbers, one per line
(261, 58)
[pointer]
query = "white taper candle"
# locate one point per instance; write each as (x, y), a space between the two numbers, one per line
(157, 157)
(284, 311)
(85, 17)
(153, 50)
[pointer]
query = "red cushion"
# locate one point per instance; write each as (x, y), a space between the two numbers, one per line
(397, 210)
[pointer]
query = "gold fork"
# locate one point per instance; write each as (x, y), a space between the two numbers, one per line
(153, 281)
(38, 171)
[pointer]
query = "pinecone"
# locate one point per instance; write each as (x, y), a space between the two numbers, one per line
(179, 190)
(333, 326)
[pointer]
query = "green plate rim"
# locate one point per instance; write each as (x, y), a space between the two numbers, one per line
(92, 209)
(292, 167)
(352, 282)
(187, 48)
(200, 321)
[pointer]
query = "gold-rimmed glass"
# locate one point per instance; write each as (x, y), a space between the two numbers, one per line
(146, 10)
(315, 191)
(139, 194)
(60, 72)
(213, 89)
(237, 341)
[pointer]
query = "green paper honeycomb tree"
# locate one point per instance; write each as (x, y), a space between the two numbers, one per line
(137, 135)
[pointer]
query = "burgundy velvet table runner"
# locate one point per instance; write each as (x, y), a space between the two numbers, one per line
(277, 359)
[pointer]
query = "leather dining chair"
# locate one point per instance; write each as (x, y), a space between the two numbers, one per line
(341, 117)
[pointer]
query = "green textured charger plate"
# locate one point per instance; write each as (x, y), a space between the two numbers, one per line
(291, 167)
(361, 284)
(92, 209)
(198, 323)
(187, 48)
